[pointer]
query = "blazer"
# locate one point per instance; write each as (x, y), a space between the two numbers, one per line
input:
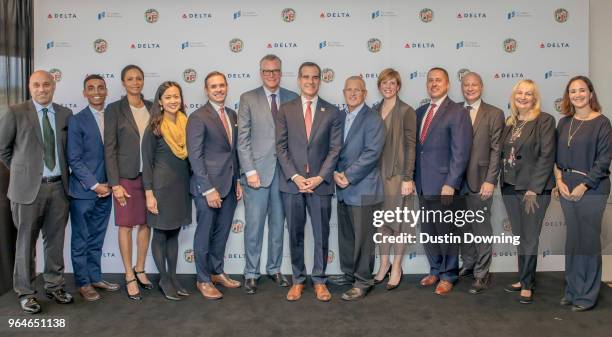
(400, 141)
(121, 141)
(444, 156)
(319, 153)
(486, 146)
(85, 153)
(535, 153)
(213, 158)
(359, 159)
(256, 143)
(22, 149)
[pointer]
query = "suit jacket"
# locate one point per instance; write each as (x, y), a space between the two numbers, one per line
(443, 158)
(213, 159)
(22, 149)
(121, 141)
(535, 153)
(85, 153)
(319, 153)
(486, 146)
(400, 141)
(359, 159)
(256, 149)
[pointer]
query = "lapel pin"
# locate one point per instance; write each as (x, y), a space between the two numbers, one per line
(322, 109)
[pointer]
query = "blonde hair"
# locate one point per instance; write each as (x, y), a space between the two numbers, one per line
(535, 110)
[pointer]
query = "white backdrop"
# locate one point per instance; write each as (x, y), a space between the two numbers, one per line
(504, 41)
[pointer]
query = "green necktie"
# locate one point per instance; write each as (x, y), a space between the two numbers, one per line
(49, 138)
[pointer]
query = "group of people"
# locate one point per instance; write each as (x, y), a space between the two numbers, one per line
(287, 155)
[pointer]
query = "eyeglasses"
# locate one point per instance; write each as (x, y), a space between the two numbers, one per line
(269, 72)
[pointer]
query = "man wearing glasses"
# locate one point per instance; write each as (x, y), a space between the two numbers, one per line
(257, 117)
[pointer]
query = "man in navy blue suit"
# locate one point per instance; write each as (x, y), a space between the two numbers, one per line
(442, 153)
(90, 206)
(359, 190)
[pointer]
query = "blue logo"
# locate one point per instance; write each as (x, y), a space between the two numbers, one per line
(460, 45)
(375, 14)
(236, 15)
(413, 75)
(49, 45)
(511, 15)
(322, 44)
(548, 74)
(184, 45)
(101, 15)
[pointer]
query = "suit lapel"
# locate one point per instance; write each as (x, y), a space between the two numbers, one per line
(525, 134)
(93, 124)
(33, 118)
(356, 123)
(218, 123)
(127, 112)
(479, 116)
(435, 121)
(318, 117)
(262, 101)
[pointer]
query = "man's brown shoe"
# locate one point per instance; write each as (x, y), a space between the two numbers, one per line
(429, 280)
(224, 280)
(209, 291)
(444, 287)
(105, 285)
(295, 292)
(89, 293)
(322, 293)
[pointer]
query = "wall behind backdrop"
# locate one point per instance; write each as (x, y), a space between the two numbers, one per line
(504, 41)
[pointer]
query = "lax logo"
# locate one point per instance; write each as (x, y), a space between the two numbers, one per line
(100, 45)
(190, 75)
(426, 15)
(557, 104)
(151, 15)
(237, 226)
(236, 45)
(189, 255)
(374, 45)
(561, 15)
(56, 74)
(461, 73)
(327, 75)
(331, 256)
(510, 45)
(288, 15)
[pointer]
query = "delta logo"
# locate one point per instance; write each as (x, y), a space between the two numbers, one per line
(190, 75)
(508, 75)
(196, 16)
(144, 45)
(368, 75)
(275, 45)
(151, 15)
(61, 16)
(334, 15)
(238, 76)
(192, 44)
(327, 75)
(108, 15)
(374, 45)
(236, 45)
(556, 45)
(100, 46)
(514, 14)
(467, 44)
(379, 13)
(56, 74)
(234, 256)
(103, 75)
(419, 45)
(69, 105)
(471, 15)
(243, 14)
(561, 15)
(426, 15)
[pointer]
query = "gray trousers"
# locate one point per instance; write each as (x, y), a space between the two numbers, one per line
(356, 243)
(49, 214)
(477, 256)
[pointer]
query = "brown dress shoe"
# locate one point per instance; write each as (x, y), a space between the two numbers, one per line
(429, 280)
(105, 285)
(444, 287)
(209, 291)
(295, 292)
(224, 280)
(322, 293)
(89, 293)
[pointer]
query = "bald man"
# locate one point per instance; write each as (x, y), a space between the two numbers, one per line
(32, 143)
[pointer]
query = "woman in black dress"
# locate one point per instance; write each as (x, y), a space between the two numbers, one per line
(584, 149)
(166, 182)
(527, 179)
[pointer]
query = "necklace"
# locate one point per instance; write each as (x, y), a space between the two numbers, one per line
(517, 129)
(571, 135)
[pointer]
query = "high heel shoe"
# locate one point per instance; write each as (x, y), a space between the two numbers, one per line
(393, 286)
(136, 296)
(179, 289)
(387, 274)
(147, 286)
(169, 295)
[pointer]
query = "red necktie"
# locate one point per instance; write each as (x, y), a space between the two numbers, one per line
(308, 119)
(428, 119)
(225, 126)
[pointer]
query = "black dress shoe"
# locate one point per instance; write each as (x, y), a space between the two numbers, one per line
(147, 286)
(512, 289)
(526, 299)
(279, 279)
(565, 301)
(580, 308)
(341, 280)
(250, 285)
(479, 285)
(169, 292)
(30, 305)
(60, 296)
(355, 294)
(387, 274)
(464, 272)
(136, 296)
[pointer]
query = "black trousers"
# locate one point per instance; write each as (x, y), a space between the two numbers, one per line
(528, 228)
(478, 256)
(355, 238)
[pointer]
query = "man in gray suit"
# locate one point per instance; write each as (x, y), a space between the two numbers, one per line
(481, 177)
(359, 190)
(32, 143)
(256, 119)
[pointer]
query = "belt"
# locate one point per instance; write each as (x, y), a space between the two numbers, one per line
(574, 171)
(48, 180)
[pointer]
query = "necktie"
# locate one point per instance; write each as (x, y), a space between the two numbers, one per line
(49, 140)
(308, 119)
(428, 119)
(225, 126)
(274, 107)
(101, 124)
(472, 112)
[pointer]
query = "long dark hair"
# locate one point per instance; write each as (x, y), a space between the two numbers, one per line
(567, 108)
(157, 111)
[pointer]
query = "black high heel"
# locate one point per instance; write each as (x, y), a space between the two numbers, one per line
(147, 286)
(135, 297)
(168, 294)
(393, 286)
(387, 274)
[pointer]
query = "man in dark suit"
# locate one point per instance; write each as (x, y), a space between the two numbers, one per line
(90, 205)
(359, 191)
(481, 177)
(211, 144)
(444, 139)
(32, 143)
(308, 142)
(256, 118)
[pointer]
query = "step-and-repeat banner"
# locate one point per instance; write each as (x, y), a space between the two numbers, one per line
(504, 41)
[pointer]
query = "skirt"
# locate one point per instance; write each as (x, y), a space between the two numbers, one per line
(135, 211)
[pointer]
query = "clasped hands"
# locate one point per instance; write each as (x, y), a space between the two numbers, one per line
(307, 185)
